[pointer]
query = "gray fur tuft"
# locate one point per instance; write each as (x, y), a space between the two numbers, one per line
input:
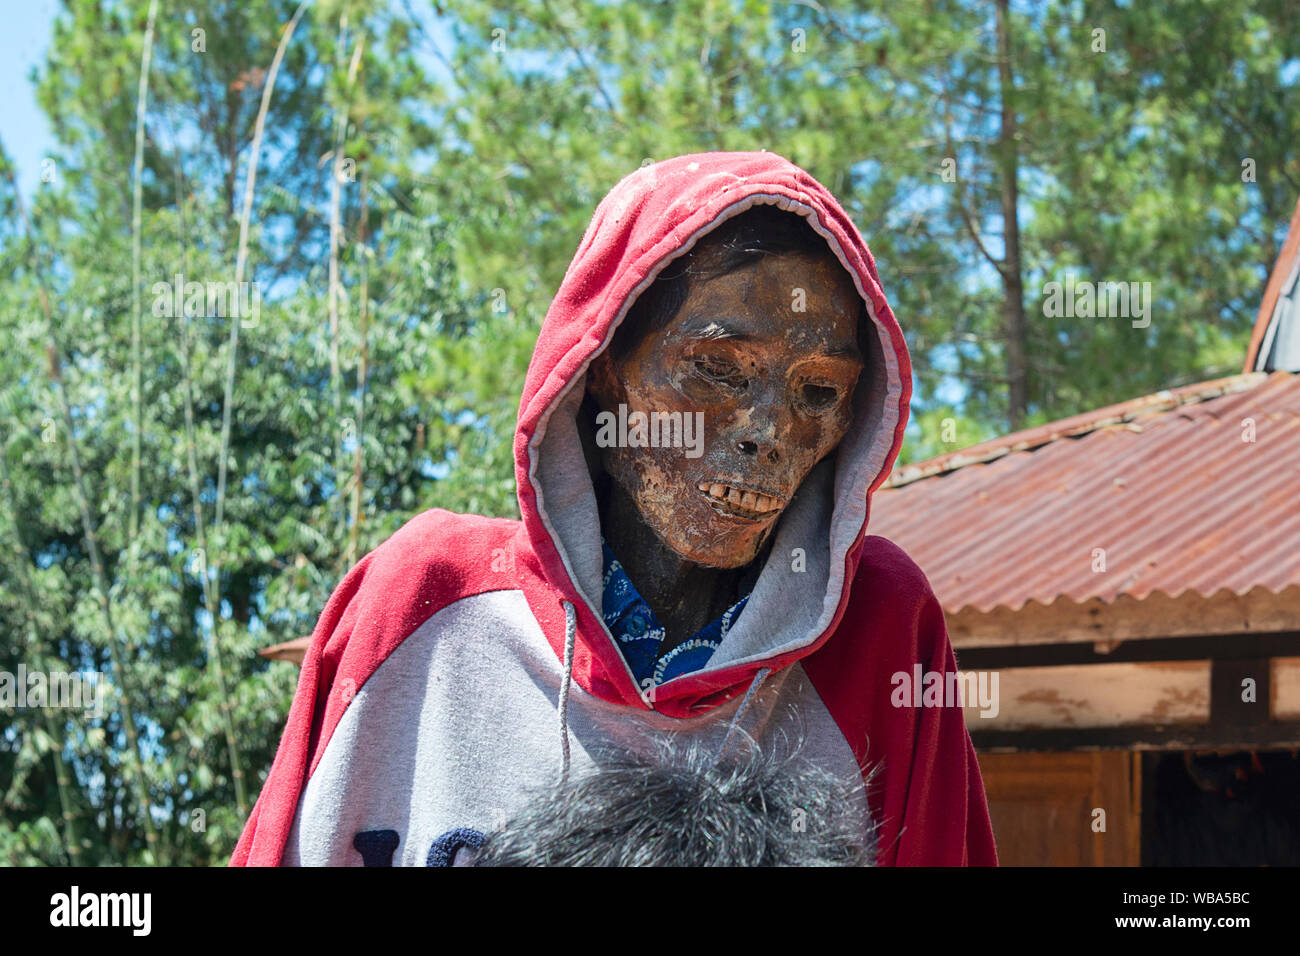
(679, 807)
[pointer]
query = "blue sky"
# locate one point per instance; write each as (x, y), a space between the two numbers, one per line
(23, 42)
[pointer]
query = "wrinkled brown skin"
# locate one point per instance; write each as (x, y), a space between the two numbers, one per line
(775, 386)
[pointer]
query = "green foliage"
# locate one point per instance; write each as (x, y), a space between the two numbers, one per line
(433, 415)
(473, 167)
(1128, 162)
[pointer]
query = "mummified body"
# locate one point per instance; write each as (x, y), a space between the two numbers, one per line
(647, 593)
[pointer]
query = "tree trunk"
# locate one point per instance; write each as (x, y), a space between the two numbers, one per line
(1013, 302)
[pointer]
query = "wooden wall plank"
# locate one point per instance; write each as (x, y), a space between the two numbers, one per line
(1043, 807)
(1284, 686)
(1096, 695)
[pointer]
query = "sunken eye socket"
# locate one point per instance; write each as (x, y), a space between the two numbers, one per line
(722, 373)
(819, 397)
(816, 398)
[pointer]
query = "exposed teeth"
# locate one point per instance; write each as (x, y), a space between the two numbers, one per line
(748, 500)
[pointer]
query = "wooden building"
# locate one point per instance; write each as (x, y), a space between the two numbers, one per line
(1132, 575)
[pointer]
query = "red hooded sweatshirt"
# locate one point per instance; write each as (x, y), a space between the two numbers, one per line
(464, 663)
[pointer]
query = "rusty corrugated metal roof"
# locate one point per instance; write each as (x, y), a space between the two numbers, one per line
(1167, 486)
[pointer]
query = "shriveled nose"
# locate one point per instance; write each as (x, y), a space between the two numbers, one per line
(765, 451)
(763, 429)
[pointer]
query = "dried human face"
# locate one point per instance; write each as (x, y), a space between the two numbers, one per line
(774, 383)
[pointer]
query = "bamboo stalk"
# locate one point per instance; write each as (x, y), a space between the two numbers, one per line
(137, 365)
(336, 243)
(141, 99)
(241, 261)
(359, 456)
(210, 600)
(241, 256)
(336, 240)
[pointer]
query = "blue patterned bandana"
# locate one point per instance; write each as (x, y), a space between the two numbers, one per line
(639, 633)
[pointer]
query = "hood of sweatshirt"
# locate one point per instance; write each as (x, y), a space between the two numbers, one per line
(650, 218)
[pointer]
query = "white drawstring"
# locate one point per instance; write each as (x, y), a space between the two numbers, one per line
(570, 635)
(744, 706)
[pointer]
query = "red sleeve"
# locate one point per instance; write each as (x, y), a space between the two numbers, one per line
(383, 599)
(946, 816)
(926, 791)
(267, 830)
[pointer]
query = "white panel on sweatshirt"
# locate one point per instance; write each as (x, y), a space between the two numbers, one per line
(458, 727)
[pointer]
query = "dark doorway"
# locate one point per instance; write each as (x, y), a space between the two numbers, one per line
(1204, 808)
